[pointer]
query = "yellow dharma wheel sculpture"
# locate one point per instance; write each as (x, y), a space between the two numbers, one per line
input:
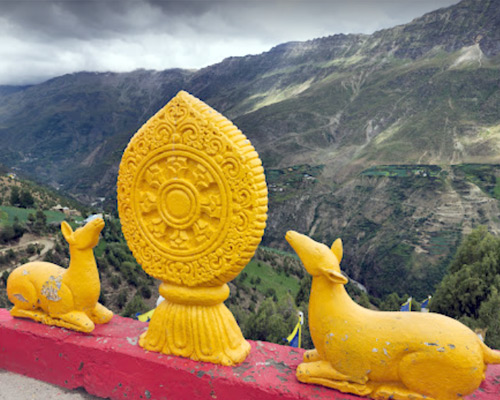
(192, 200)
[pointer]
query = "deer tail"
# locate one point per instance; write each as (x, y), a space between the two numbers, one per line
(490, 356)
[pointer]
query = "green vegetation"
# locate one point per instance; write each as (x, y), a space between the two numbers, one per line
(272, 322)
(9, 214)
(22, 198)
(405, 171)
(293, 176)
(26, 194)
(284, 184)
(470, 291)
(268, 280)
(485, 176)
(9, 233)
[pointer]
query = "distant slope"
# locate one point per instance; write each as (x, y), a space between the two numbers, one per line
(66, 126)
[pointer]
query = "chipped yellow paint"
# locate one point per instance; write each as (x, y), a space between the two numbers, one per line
(192, 200)
(62, 297)
(383, 355)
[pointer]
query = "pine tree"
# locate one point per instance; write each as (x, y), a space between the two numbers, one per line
(26, 200)
(470, 290)
(14, 196)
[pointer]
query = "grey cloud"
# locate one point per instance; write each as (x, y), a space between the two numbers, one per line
(42, 39)
(104, 19)
(78, 19)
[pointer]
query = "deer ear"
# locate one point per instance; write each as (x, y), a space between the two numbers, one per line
(66, 231)
(336, 277)
(337, 249)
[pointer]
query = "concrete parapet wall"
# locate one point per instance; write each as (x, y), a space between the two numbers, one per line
(109, 363)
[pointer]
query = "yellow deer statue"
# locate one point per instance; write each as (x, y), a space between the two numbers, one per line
(63, 297)
(383, 355)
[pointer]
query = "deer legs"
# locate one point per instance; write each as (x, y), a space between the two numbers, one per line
(74, 320)
(322, 373)
(100, 314)
(397, 391)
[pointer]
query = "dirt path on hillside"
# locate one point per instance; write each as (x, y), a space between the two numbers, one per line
(48, 243)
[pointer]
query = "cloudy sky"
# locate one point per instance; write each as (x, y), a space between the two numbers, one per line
(40, 39)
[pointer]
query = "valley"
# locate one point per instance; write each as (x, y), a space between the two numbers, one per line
(400, 224)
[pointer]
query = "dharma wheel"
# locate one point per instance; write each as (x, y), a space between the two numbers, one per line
(192, 200)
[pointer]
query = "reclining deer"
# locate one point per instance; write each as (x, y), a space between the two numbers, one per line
(63, 297)
(384, 355)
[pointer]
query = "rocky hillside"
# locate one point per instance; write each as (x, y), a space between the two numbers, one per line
(332, 119)
(400, 224)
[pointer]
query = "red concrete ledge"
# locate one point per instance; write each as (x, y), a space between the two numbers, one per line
(109, 363)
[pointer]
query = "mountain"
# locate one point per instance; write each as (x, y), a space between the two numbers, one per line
(374, 138)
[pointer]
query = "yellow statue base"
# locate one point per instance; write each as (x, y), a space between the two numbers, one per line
(194, 323)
